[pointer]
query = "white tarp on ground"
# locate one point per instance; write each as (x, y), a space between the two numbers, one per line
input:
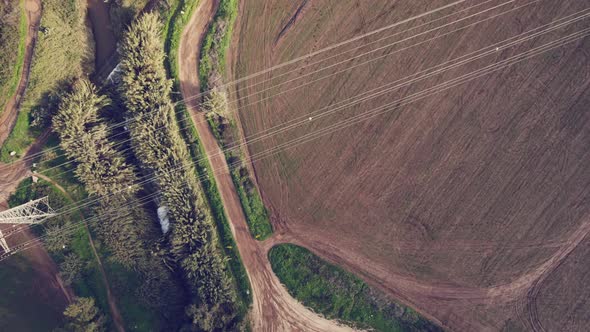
(163, 217)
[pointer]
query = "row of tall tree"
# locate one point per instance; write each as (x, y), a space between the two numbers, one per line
(128, 230)
(193, 241)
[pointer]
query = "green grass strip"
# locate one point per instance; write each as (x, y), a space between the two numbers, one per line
(20, 58)
(256, 213)
(339, 294)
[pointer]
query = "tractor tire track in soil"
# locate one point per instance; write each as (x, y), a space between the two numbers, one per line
(8, 118)
(273, 308)
(490, 169)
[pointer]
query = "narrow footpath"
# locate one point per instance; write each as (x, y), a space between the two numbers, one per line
(273, 307)
(10, 112)
(115, 314)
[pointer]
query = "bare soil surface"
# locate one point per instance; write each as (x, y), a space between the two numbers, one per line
(273, 308)
(10, 113)
(49, 282)
(471, 205)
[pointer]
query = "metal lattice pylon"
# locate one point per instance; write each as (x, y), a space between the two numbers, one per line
(32, 212)
(3, 243)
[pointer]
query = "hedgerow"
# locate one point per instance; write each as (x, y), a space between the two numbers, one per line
(157, 144)
(128, 231)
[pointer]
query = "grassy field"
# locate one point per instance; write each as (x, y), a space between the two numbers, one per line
(13, 30)
(338, 294)
(62, 53)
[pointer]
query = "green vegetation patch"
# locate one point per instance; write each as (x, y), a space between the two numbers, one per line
(216, 43)
(254, 209)
(211, 69)
(180, 13)
(62, 53)
(339, 294)
(13, 32)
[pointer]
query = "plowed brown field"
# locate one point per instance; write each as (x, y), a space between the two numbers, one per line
(473, 204)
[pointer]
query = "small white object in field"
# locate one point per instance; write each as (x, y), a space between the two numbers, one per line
(13, 153)
(497, 49)
(163, 217)
(310, 118)
(64, 246)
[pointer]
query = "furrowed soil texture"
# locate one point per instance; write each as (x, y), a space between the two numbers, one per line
(472, 205)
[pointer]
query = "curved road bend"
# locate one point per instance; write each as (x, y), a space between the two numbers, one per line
(273, 308)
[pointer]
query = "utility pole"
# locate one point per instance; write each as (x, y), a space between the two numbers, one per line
(29, 213)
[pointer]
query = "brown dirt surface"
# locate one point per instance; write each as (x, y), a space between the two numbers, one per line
(273, 308)
(50, 283)
(471, 205)
(10, 112)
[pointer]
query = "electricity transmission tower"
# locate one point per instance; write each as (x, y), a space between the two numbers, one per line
(32, 212)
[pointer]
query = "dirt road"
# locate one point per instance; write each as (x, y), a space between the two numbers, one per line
(14, 173)
(8, 117)
(116, 315)
(274, 309)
